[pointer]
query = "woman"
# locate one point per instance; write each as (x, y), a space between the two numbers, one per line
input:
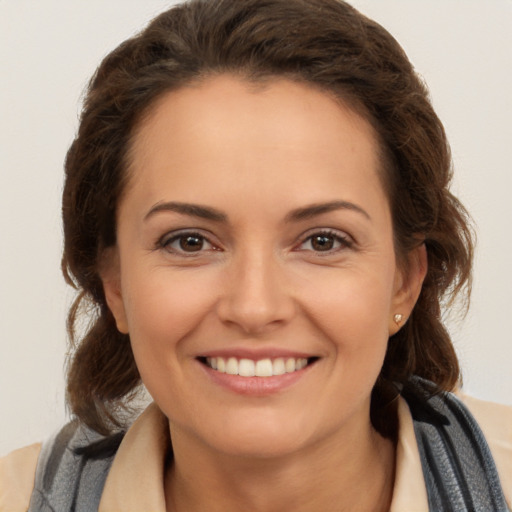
(257, 209)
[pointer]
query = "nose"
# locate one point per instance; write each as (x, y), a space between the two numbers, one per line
(256, 297)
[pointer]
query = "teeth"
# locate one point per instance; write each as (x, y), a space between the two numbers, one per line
(290, 365)
(232, 366)
(246, 368)
(278, 367)
(264, 368)
(260, 368)
(301, 364)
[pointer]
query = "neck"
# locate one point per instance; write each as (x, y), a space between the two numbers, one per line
(356, 473)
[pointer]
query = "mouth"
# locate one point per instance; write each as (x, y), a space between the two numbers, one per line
(266, 367)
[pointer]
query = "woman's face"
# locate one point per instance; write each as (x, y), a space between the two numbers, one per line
(255, 238)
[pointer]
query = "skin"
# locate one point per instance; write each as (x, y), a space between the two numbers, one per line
(256, 279)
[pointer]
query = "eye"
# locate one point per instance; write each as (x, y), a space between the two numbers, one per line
(325, 241)
(186, 242)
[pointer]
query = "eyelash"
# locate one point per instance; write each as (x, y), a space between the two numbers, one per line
(165, 242)
(343, 241)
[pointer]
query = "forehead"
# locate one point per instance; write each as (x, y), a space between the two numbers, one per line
(225, 127)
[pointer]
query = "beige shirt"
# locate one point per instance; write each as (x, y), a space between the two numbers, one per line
(135, 481)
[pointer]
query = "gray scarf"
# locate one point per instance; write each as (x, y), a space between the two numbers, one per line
(459, 471)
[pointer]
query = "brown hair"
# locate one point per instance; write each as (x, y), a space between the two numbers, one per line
(325, 43)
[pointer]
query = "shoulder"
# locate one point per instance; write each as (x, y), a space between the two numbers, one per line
(41, 475)
(465, 447)
(495, 420)
(72, 467)
(17, 474)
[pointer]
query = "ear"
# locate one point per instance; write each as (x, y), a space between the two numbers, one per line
(110, 274)
(407, 289)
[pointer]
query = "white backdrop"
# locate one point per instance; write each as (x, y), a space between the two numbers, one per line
(49, 48)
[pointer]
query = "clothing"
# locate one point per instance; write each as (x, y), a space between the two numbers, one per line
(145, 444)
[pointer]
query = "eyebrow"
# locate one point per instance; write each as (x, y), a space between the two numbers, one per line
(314, 210)
(193, 210)
(206, 212)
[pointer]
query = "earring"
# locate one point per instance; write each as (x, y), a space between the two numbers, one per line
(398, 319)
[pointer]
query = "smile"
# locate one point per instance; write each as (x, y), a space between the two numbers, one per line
(257, 368)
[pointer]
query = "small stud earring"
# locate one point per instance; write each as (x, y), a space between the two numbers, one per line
(398, 319)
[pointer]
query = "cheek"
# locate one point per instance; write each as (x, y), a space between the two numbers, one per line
(352, 300)
(162, 314)
(353, 312)
(164, 307)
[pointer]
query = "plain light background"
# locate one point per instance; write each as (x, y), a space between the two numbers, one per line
(49, 49)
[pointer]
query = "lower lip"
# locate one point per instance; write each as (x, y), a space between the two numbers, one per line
(255, 386)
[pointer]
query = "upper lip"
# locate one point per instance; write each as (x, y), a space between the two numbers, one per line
(256, 354)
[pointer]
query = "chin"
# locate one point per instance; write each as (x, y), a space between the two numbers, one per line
(259, 444)
(248, 436)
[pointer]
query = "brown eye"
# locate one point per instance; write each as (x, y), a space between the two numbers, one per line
(191, 243)
(186, 243)
(322, 242)
(326, 241)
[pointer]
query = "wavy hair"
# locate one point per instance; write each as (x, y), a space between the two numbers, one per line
(324, 43)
